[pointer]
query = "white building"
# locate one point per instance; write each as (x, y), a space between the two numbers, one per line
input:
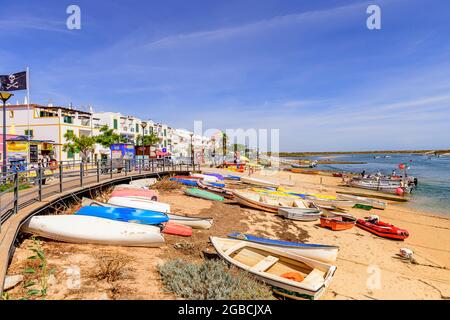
(48, 123)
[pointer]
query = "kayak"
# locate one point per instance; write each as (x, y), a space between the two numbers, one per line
(149, 194)
(218, 176)
(213, 184)
(205, 177)
(140, 203)
(231, 177)
(193, 222)
(186, 182)
(321, 252)
(93, 230)
(176, 229)
(383, 229)
(194, 192)
(143, 183)
(124, 214)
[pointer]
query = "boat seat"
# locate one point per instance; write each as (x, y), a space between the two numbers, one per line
(265, 264)
(314, 277)
(234, 248)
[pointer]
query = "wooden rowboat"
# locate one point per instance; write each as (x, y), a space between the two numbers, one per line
(271, 203)
(337, 222)
(299, 276)
(299, 214)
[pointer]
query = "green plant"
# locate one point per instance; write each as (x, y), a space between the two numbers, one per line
(211, 280)
(37, 267)
(107, 137)
(84, 145)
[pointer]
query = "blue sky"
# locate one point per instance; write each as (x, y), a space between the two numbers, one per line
(309, 68)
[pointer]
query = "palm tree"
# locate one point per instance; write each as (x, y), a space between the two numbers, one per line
(109, 137)
(84, 145)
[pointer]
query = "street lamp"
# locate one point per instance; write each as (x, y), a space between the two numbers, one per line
(143, 125)
(4, 96)
(192, 148)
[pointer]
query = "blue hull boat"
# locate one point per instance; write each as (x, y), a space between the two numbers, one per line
(124, 214)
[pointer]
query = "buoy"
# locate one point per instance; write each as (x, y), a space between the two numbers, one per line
(399, 191)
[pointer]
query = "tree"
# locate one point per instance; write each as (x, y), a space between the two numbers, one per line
(84, 145)
(107, 137)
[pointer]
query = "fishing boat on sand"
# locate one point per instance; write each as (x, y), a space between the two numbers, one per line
(194, 192)
(294, 274)
(93, 230)
(320, 252)
(337, 222)
(377, 204)
(301, 214)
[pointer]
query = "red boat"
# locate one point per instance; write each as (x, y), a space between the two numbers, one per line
(383, 229)
(176, 229)
(337, 174)
(337, 222)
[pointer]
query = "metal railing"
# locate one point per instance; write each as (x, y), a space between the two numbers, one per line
(23, 188)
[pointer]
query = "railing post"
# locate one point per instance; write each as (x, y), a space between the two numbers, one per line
(153, 166)
(98, 171)
(39, 175)
(140, 165)
(111, 167)
(81, 173)
(60, 177)
(126, 167)
(164, 165)
(16, 192)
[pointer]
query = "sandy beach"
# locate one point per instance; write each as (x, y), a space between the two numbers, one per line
(368, 266)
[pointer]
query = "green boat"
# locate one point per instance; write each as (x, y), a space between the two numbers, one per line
(194, 192)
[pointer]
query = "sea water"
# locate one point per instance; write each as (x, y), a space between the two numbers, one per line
(433, 191)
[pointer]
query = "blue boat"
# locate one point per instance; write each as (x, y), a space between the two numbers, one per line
(231, 177)
(192, 183)
(124, 214)
(214, 184)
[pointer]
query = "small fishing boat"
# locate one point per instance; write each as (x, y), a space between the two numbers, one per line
(320, 252)
(301, 214)
(150, 194)
(379, 186)
(124, 214)
(193, 222)
(194, 192)
(304, 171)
(363, 200)
(382, 229)
(337, 222)
(299, 276)
(259, 182)
(143, 183)
(271, 203)
(93, 230)
(186, 182)
(301, 166)
(176, 229)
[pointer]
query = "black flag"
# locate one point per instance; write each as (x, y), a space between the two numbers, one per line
(13, 82)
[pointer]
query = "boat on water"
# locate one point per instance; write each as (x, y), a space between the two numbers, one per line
(382, 229)
(194, 192)
(320, 252)
(299, 276)
(271, 203)
(337, 222)
(378, 186)
(193, 222)
(377, 204)
(93, 230)
(304, 171)
(124, 214)
(259, 182)
(301, 214)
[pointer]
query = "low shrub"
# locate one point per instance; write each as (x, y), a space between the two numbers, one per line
(167, 185)
(211, 280)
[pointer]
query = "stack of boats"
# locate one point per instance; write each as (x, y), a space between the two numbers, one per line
(129, 218)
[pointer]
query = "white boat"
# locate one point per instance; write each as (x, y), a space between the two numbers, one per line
(193, 222)
(143, 183)
(277, 267)
(259, 182)
(128, 186)
(363, 200)
(271, 203)
(378, 186)
(337, 203)
(140, 203)
(86, 229)
(300, 214)
(205, 177)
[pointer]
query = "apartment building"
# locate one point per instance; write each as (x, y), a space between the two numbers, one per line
(48, 123)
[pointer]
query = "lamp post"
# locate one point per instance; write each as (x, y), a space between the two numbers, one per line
(192, 148)
(143, 125)
(4, 96)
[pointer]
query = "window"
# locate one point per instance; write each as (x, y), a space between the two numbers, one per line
(69, 154)
(68, 119)
(29, 133)
(137, 127)
(115, 124)
(165, 132)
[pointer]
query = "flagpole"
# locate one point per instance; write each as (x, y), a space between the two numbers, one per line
(28, 112)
